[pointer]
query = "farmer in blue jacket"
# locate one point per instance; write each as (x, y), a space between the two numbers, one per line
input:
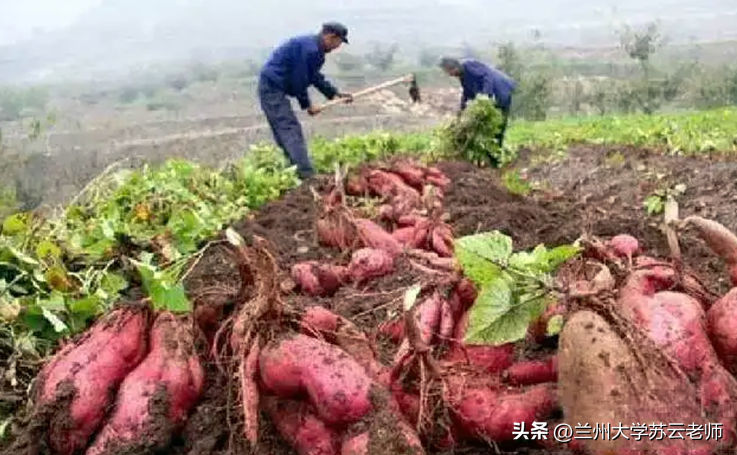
(480, 79)
(291, 69)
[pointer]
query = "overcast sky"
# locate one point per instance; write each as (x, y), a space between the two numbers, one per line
(18, 18)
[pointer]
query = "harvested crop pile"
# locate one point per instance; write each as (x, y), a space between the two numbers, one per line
(467, 351)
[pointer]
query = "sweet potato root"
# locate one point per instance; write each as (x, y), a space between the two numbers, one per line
(297, 423)
(317, 279)
(156, 397)
(533, 372)
(369, 263)
(428, 315)
(83, 373)
(374, 236)
(601, 380)
(721, 241)
(624, 246)
(720, 322)
(490, 413)
(337, 386)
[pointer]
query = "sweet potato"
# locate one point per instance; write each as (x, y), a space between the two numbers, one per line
(394, 329)
(410, 220)
(412, 175)
(80, 377)
(440, 181)
(336, 232)
(721, 241)
(674, 321)
(318, 279)
(490, 413)
(624, 245)
(344, 333)
(369, 263)
(374, 236)
(533, 372)
(297, 423)
(427, 314)
(601, 380)
(387, 184)
(720, 320)
(491, 359)
(442, 240)
(356, 185)
(405, 235)
(337, 386)
(156, 397)
(384, 437)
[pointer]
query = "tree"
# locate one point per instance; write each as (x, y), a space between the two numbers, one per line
(641, 45)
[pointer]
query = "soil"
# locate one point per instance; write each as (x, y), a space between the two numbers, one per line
(598, 191)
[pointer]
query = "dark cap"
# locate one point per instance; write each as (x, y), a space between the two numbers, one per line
(337, 29)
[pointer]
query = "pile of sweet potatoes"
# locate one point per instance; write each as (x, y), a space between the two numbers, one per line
(128, 383)
(486, 389)
(657, 349)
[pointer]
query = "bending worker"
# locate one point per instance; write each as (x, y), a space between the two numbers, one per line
(290, 70)
(480, 79)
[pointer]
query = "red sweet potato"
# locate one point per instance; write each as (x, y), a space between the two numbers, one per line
(442, 241)
(356, 185)
(387, 212)
(533, 372)
(492, 359)
(369, 263)
(340, 331)
(335, 232)
(405, 235)
(374, 236)
(403, 439)
(490, 414)
(85, 372)
(159, 393)
(412, 175)
(721, 241)
(720, 320)
(337, 386)
(624, 246)
(410, 220)
(317, 279)
(297, 423)
(387, 184)
(427, 314)
(440, 181)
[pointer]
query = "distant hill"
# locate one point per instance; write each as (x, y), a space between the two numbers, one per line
(119, 34)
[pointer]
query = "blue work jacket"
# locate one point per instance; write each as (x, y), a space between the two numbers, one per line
(480, 79)
(295, 65)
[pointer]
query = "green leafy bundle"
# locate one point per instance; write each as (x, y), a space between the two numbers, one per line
(473, 134)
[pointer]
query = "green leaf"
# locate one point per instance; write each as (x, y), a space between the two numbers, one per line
(555, 325)
(163, 294)
(560, 254)
(46, 249)
(478, 253)
(498, 317)
(22, 257)
(15, 224)
(113, 283)
(56, 323)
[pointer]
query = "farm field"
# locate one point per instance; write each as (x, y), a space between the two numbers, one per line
(170, 286)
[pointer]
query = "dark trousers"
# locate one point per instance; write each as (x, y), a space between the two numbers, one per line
(285, 127)
(505, 123)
